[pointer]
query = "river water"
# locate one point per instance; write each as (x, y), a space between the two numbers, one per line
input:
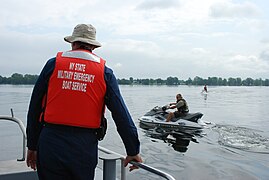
(233, 145)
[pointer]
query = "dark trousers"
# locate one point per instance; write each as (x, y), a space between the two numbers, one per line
(67, 154)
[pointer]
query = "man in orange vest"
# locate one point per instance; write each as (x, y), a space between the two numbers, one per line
(66, 108)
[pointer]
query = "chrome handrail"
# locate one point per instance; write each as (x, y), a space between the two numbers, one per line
(141, 165)
(23, 130)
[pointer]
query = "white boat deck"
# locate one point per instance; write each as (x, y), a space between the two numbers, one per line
(14, 170)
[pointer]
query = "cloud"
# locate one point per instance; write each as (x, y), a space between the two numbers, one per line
(144, 38)
(265, 55)
(252, 25)
(265, 40)
(117, 65)
(232, 10)
(199, 51)
(134, 47)
(157, 4)
(245, 64)
(27, 53)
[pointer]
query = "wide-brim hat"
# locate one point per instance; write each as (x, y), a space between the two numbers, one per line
(85, 33)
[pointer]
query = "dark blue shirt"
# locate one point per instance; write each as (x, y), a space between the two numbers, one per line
(114, 102)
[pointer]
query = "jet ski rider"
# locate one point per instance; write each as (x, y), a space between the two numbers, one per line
(182, 108)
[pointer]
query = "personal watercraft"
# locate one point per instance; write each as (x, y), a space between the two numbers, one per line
(156, 117)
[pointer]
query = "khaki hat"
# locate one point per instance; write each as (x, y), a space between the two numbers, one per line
(85, 33)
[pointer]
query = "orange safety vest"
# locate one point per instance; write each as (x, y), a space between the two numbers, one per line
(76, 90)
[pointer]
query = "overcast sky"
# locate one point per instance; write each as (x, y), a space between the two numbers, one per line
(142, 38)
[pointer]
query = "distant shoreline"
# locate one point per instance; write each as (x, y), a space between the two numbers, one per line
(27, 79)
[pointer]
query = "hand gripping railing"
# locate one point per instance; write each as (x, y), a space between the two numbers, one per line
(107, 170)
(22, 127)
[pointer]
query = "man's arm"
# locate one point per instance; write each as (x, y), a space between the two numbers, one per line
(120, 114)
(35, 106)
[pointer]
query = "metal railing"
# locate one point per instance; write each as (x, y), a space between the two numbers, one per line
(110, 162)
(109, 165)
(23, 130)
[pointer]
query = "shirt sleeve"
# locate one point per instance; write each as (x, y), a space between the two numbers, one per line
(35, 107)
(120, 114)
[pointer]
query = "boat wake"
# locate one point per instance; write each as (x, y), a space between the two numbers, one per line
(242, 138)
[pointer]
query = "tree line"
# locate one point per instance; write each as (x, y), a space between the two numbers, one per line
(17, 78)
(211, 81)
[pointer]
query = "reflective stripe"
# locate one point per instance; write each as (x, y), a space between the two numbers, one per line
(81, 55)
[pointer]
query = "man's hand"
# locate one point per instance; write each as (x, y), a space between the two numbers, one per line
(136, 158)
(31, 159)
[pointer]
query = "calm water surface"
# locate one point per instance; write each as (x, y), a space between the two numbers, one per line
(234, 146)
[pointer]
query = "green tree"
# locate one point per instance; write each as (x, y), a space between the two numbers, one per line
(145, 81)
(248, 82)
(238, 81)
(231, 81)
(266, 82)
(172, 81)
(198, 81)
(258, 82)
(151, 81)
(159, 81)
(131, 79)
(29, 79)
(123, 81)
(212, 81)
(189, 81)
(17, 78)
(220, 81)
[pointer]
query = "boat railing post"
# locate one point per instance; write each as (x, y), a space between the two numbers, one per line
(123, 170)
(109, 166)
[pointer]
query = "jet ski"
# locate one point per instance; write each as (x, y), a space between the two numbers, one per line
(156, 117)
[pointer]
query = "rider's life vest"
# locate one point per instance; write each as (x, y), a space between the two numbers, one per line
(184, 108)
(76, 90)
